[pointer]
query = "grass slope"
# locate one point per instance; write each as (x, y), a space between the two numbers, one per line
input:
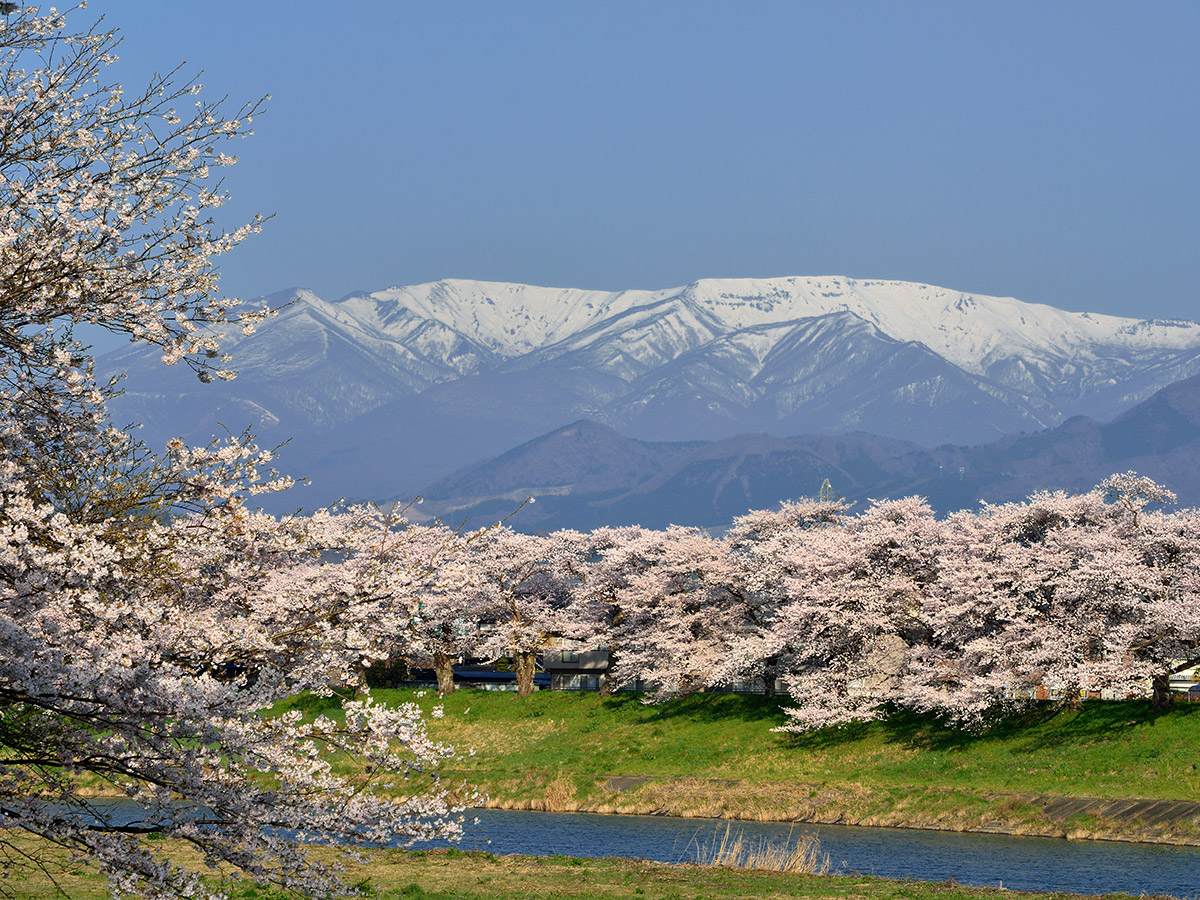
(716, 755)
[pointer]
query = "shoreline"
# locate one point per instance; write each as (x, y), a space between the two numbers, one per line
(1173, 823)
(1110, 829)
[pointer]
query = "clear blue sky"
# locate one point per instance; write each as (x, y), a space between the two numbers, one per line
(1046, 151)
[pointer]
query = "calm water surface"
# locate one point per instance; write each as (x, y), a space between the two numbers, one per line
(1023, 863)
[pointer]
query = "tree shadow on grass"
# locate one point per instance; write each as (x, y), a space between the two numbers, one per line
(1101, 721)
(309, 703)
(1042, 727)
(720, 707)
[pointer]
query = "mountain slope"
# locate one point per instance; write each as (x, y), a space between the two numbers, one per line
(384, 391)
(708, 483)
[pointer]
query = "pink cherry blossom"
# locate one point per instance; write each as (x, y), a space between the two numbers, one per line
(149, 618)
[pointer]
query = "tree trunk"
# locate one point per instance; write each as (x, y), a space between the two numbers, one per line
(768, 678)
(607, 684)
(1161, 698)
(525, 663)
(769, 672)
(443, 667)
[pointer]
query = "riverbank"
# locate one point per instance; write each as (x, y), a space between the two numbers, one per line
(1110, 771)
(1075, 818)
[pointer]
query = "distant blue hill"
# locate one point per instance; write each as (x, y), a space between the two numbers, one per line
(586, 474)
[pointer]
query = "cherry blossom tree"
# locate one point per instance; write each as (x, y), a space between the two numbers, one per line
(143, 650)
(1002, 568)
(1158, 620)
(446, 615)
(107, 205)
(760, 548)
(525, 595)
(150, 617)
(606, 562)
(674, 603)
(1064, 593)
(856, 592)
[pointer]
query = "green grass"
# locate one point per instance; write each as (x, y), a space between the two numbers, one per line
(716, 754)
(1106, 749)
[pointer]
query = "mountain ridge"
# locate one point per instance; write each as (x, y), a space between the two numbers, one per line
(386, 391)
(708, 483)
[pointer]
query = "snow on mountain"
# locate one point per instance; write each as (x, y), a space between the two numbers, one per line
(1016, 344)
(972, 331)
(359, 381)
(511, 319)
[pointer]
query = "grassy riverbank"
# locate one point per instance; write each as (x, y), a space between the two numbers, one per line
(716, 755)
(443, 875)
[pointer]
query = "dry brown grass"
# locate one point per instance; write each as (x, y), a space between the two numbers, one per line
(559, 794)
(802, 855)
(484, 738)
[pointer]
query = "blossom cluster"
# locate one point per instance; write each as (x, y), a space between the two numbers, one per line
(150, 620)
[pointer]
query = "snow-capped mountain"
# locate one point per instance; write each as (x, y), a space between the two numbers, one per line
(385, 391)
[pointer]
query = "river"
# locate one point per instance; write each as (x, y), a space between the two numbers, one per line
(1021, 863)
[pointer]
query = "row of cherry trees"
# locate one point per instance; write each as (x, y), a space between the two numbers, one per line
(892, 606)
(150, 617)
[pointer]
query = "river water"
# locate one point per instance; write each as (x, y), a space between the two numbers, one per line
(1022, 863)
